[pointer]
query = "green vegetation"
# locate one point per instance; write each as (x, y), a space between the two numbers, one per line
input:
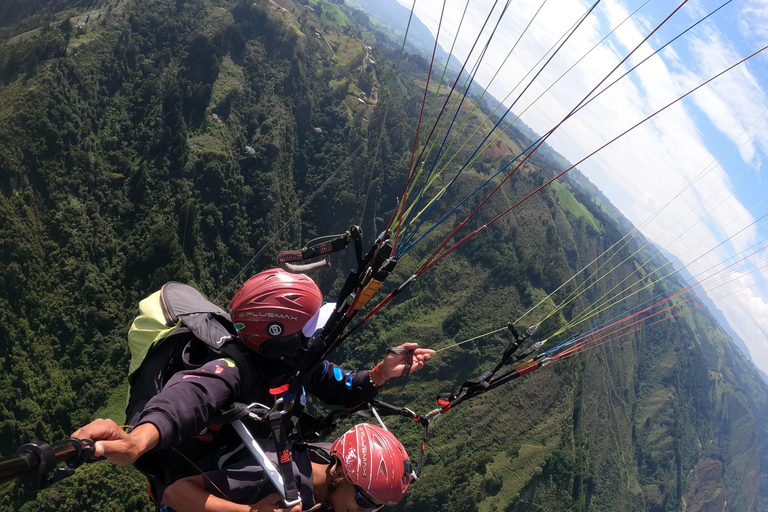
(571, 205)
(115, 177)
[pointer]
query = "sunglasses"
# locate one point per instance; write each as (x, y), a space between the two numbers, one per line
(366, 502)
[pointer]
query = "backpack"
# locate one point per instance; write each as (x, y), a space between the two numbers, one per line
(173, 321)
(168, 320)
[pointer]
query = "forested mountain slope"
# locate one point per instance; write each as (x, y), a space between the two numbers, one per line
(143, 141)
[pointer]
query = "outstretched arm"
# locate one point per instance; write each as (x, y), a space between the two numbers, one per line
(336, 386)
(181, 410)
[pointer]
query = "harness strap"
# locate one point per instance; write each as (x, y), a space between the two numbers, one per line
(408, 352)
(232, 351)
(283, 457)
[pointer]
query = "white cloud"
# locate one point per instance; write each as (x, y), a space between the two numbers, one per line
(753, 18)
(644, 171)
(731, 100)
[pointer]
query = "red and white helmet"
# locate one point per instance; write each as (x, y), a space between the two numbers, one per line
(273, 304)
(374, 461)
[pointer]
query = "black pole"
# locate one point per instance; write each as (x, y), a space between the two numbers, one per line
(11, 467)
(34, 461)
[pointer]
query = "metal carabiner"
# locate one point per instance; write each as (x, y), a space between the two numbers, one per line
(252, 411)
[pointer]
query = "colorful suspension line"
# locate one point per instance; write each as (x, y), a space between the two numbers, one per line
(431, 263)
(637, 230)
(476, 154)
(657, 51)
(588, 314)
(442, 78)
(501, 103)
(685, 288)
(716, 160)
(584, 17)
(670, 298)
(479, 152)
(435, 257)
(439, 157)
(418, 125)
(602, 322)
(384, 117)
(609, 292)
(529, 361)
(671, 317)
(590, 341)
(465, 89)
(575, 322)
(489, 380)
(404, 196)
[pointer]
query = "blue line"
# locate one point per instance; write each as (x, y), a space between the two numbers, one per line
(651, 55)
(464, 96)
(585, 332)
(407, 247)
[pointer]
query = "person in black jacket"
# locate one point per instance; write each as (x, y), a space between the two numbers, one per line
(338, 481)
(272, 311)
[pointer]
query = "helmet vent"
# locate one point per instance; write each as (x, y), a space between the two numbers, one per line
(382, 468)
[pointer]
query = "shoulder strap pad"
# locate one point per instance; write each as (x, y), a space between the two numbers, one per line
(207, 321)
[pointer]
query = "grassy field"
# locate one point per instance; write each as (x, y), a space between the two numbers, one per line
(568, 202)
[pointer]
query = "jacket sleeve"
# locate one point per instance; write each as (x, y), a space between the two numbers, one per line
(336, 386)
(190, 399)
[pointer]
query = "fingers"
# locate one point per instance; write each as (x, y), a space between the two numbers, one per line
(120, 452)
(110, 441)
(99, 429)
(423, 354)
(418, 351)
(274, 502)
(394, 365)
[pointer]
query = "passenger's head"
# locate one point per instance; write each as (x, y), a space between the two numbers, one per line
(375, 467)
(270, 310)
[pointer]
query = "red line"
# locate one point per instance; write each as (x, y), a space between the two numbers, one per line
(684, 290)
(430, 262)
(404, 196)
(588, 341)
(411, 168)
(584, 347)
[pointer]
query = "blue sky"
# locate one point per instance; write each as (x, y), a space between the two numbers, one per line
(707, 206)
